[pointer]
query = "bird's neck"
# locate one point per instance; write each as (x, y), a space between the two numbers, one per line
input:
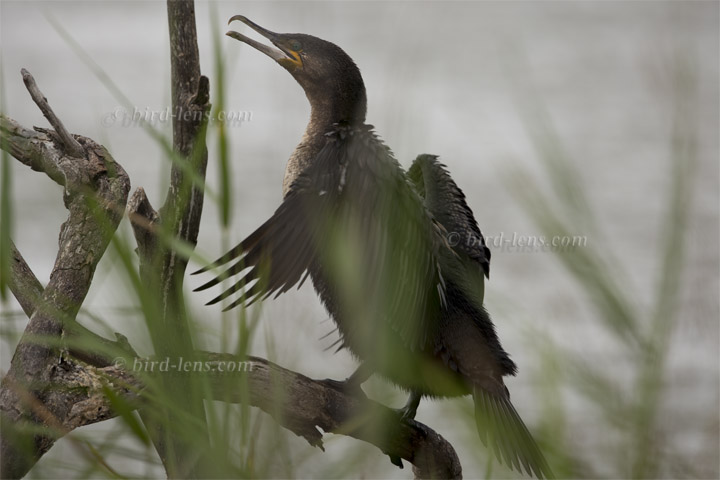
(347, 105)
(326, 111)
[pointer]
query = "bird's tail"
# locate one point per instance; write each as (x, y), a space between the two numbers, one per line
(502, 430)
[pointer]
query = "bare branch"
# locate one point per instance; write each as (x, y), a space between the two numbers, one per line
(298, 403)
(23, 283)
(82, 395)
(96, 350)
(34, 149)
(96, 190)
(301, 405)
(190, 103)
(144, 220)
(162, 270)
(72, 147)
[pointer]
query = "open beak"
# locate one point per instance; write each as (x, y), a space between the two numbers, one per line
(283, 55)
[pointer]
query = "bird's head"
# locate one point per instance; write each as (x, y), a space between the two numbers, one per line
(329, 77)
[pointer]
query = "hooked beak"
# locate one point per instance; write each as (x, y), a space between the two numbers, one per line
(285, 56)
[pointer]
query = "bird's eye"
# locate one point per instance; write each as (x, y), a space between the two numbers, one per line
(295, 45)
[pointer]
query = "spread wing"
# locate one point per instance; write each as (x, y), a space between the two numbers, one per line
(274, 257)
(354, 217)
(446, 202)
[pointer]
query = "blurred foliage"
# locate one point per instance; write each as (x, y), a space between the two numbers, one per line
(642, 335)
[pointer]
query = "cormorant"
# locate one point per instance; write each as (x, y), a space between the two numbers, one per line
(397, 258)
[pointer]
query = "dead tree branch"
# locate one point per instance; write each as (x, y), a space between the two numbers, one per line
(296, 402)
(23, 283)
(301, 405)
(161, 268)
(71, 146)
(96, 350)
(96, 190)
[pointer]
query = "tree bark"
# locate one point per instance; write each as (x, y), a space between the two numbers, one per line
(95, 192)
(161, 268)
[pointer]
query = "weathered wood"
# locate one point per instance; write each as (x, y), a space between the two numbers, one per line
(23, 283)
(80, 342)
(298, 403)
(71, 146)
(301, 405)
(162, 270)
(96, 190)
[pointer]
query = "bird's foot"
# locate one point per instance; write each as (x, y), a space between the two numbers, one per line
(351, 385)
(409, 411)
(346, 386)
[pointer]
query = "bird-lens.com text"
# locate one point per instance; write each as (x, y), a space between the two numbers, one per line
(183, 365)
(520, 243)
(146, 116)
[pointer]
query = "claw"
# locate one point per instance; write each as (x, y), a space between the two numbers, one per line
(397, 461)
(409, 411)
(347, 386)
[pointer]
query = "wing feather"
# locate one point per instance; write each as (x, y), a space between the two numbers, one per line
(278, 253)
(446, 202)
(354, 190)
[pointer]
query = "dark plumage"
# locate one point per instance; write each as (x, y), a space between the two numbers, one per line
(397, 258)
